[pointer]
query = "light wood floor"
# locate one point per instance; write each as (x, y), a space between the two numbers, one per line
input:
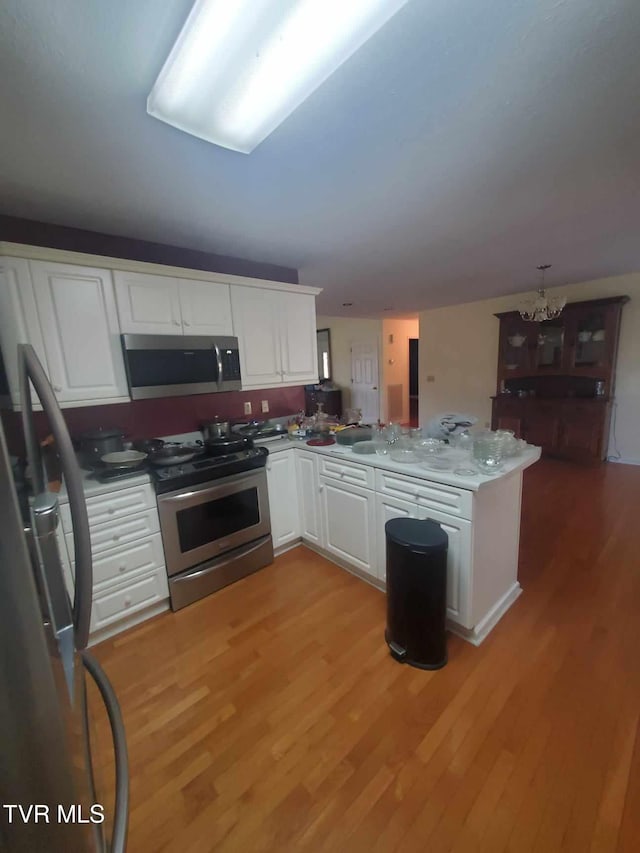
(270, 717)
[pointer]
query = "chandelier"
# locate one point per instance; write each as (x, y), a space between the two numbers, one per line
(542, 307)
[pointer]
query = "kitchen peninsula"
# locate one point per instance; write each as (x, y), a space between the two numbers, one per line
(343, 505)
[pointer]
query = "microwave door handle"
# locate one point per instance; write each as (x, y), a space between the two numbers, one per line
(220, 367)
(121, 808)
(31, 369)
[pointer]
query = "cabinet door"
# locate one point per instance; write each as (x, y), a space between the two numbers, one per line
(257, 326)
(583, 425)
(349, 523)
(543, 425)
(19, 323)
(386, 509)
(205, 307)
(284, 506)
(517, 340)
(298, 339)
(80, 332)
(309, 498)
(592, 333)
(549, 353)
(148, 304)
(458, 564)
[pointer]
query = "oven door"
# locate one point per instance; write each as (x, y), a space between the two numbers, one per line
(201, 522)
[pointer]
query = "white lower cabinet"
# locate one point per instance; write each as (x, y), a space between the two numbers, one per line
(309, 497)
(349, 523)
(284, 506)
(459, 555)
(129, 572)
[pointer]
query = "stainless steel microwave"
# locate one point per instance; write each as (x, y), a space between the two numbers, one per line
(177, 365)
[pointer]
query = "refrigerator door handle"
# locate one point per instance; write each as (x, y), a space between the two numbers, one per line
(121, 815)
(44, 520)
(30, 369)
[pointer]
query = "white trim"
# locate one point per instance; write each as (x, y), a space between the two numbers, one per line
(42, 253)
(123, 624)
(477, 634)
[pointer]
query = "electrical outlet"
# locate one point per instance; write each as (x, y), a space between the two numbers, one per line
(431, 378)
(265, 406)
(247, 408)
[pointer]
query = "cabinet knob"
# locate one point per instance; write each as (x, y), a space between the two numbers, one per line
(321, 488)
(116, 537)
(122, 568)
(177, 323)
(186, 323)
(111, 510)
(57, 389)
(342, 472)
(127, 602)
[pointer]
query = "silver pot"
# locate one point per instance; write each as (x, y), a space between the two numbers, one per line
(98, 442)
(216, 429)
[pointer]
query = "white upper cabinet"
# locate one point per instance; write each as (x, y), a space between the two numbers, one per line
(79, 326)
(257, 325)
(148, 304)
(277, 336)
(163, 305)
(298, 340)
(19, 322)
(205, 308)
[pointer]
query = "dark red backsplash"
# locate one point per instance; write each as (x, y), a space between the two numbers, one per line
(166, 416)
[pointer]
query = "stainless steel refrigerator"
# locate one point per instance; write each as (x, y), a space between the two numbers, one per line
(56, 702)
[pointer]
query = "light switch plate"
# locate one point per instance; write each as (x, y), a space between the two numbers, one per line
(247, 408)
(265, 406)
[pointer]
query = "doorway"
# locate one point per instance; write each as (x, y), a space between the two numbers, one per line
(364, 380)
(413, 381)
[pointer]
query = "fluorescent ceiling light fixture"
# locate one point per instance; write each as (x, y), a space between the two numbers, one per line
(240, 67)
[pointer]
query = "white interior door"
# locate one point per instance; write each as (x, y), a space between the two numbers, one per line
(365, 380)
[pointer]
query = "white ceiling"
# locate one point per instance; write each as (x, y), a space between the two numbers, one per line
(464, 144)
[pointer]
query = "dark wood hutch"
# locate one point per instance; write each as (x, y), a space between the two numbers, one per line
(556, 379)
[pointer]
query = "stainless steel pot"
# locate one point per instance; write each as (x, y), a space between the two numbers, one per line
(98, 442)
(216, 429)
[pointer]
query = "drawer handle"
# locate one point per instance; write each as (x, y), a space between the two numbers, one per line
(342, 472)
(127, 602)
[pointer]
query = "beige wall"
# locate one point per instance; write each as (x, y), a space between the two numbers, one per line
(344, 331)
(459, 349)
(395, 361)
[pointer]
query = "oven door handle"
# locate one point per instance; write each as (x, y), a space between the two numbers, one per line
(220, 367)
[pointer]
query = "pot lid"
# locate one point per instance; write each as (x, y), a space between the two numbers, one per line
(102, 432)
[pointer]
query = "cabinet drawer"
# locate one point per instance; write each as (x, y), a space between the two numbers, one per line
(116, 605)
(103, 508)
(120, 532)
(119, 564)
(348, 472)
(425, 493)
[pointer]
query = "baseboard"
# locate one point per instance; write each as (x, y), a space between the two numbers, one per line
(123, 624)
(479, 632)
(358, 573)
(621, 460)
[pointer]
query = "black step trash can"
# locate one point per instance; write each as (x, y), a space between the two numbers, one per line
(416, 592)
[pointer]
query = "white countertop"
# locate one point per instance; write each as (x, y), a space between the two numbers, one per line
(94, 487)
(473, 483)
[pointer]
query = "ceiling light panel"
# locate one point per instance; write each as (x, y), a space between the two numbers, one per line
(240, 67)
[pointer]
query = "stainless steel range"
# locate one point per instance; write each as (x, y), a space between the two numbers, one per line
(214, 520)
